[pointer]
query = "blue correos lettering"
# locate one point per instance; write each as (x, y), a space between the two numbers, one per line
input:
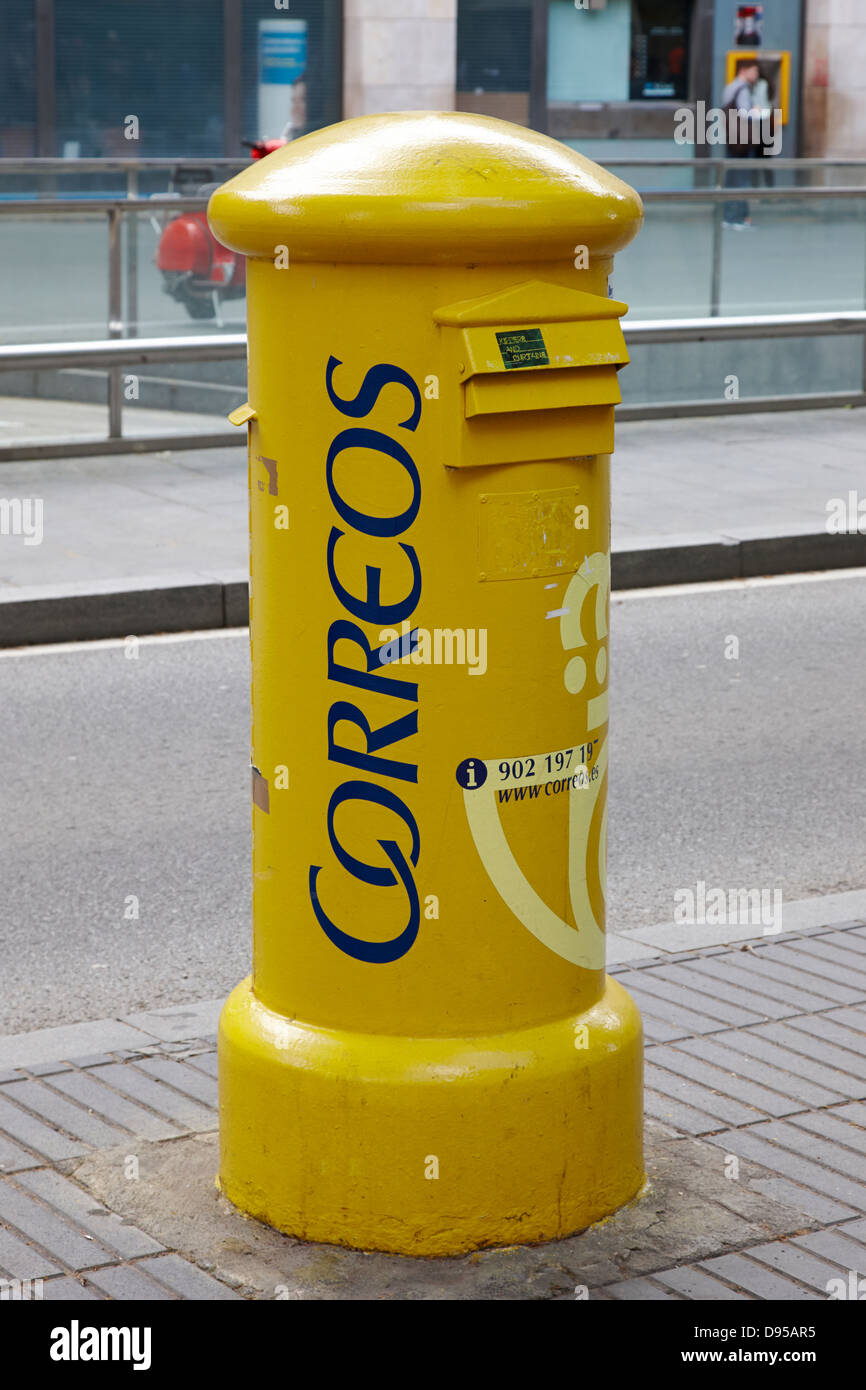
(372, 675)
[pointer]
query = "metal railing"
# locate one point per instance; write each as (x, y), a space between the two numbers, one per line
(132, 167)
(115, 353)
(130, 208)
(125, 348)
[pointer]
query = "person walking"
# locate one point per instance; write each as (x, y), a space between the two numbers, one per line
(738, 103)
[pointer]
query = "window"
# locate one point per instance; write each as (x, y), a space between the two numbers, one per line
(291, 73)
(659, 49)
(629, 50)
(161, 62)
(17, 80)
(493, 46)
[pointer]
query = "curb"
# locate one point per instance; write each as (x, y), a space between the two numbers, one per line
(112, 608)
(629, 949)
(742, 553)
(80, 1041)
(188, 602)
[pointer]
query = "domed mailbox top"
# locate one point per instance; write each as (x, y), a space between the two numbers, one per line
(425, 187)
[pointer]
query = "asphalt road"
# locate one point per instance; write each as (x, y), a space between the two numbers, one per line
(129, 778)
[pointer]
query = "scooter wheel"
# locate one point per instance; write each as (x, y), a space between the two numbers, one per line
(197, 306)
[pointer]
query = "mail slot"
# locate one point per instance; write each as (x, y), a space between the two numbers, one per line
(533, 347)
(429, 1057)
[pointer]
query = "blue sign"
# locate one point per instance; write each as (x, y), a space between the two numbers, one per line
(282, 51)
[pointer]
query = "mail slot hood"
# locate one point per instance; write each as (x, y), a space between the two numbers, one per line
(529, 372)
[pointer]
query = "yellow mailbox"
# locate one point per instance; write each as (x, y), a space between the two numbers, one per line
(428, 1057)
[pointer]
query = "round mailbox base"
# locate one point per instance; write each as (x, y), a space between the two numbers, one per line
(430, 1146)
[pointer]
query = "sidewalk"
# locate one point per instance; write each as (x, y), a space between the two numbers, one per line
(157, 542)
(755, 1137)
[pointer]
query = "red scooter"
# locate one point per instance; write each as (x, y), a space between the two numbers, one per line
(196, 270)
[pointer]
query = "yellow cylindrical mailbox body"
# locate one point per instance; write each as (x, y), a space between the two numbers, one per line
(428, 1057)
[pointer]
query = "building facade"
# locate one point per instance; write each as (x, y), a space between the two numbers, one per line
(197, 77)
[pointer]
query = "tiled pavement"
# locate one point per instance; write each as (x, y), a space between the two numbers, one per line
(761, 1050)
(758, 1049)
(52, 1229)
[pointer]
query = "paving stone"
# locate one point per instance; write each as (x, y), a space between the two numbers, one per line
(828, 1124)
(819, 1049)
(65, 1114)
(93, 1059)
(129, 1283)
(824, 949)
(67, 1290)
(178, 1022)
(719, 1051)
(13, 1158)
(716, 984)
(159, 1097)
(185, 1279)
(701, 1098)
(639, 1288)
(683, 1117)
(777, 983)
(206, 1062)
(21, 1125)
(76, 1204)
(43, 1069)
(657, 1030)
(49, 1230)
(681, 937)
(722, 1079)
(851, 941)
(710, 1012)
(695, 1283)
(799, 1264)
(68, 1040)
(754, 1044)
(822, 1026)
(182, 1078)
(621, 953)
(763, 1283)
(20, 1261)
(90, 1091)
(823, 974)
(838, 1246)
(6, 1075)
(801, 1141)
(677, 1016)
(854, 1111)
(790, 1165)
(802, 1199)
(851, 1018)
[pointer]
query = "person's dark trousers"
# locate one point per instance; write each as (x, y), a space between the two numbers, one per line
(737, 211)
(766, 172)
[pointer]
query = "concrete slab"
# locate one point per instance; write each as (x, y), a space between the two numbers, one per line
(688, 1212)
(71, 1040)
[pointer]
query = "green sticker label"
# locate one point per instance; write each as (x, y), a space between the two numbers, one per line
(523, 348)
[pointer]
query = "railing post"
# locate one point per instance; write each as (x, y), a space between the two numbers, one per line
(115, 323)
(718, 217)
(131, 257)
